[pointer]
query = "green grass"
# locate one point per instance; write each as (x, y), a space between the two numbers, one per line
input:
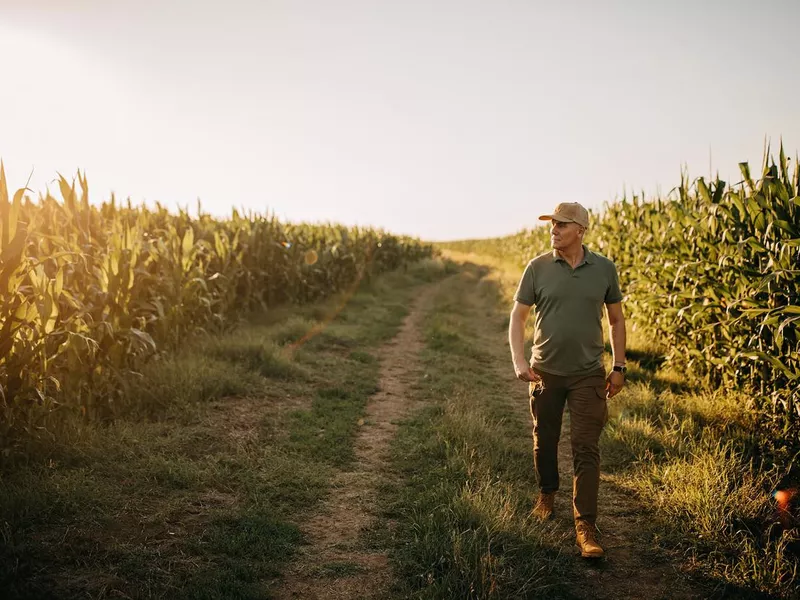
(461, 472)
(230, 444)
(335, 570)
(225, 448)
(689, 456)
(253, 351)
(693, 458)
(690, 459)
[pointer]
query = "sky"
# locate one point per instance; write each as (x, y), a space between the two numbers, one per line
(443, 119)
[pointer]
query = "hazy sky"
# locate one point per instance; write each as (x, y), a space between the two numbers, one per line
(443, 119)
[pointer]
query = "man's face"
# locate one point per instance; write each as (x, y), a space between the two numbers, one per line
(564, 235)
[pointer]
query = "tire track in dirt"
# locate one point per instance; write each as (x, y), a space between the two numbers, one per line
(335, 565)
(633, 567)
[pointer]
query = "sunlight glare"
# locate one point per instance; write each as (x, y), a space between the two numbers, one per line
(58, 106)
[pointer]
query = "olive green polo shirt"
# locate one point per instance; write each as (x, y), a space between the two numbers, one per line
(568, 330)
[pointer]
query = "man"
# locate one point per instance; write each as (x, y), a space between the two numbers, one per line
(568, 287)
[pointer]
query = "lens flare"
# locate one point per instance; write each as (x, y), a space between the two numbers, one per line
(311, 257)
(784, 500)
(784, 497)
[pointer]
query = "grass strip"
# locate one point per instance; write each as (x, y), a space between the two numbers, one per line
(462, 472)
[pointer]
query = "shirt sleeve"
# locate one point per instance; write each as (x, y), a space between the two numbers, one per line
(526, 293)
(613, 293)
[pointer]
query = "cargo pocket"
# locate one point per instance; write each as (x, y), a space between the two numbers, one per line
(601, 392)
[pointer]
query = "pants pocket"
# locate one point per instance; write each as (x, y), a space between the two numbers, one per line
(601, 393)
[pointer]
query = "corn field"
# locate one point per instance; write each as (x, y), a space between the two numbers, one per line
(711, 272)
(90, 292)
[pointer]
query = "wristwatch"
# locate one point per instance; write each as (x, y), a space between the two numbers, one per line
(619, 369)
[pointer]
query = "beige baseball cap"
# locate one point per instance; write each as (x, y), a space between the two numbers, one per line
(569, 212)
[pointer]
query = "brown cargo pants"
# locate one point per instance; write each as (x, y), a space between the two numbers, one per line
(585, 397)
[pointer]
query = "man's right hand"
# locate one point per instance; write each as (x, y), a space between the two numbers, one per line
(526, 373)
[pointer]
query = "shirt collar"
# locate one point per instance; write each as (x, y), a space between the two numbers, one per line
(588, 257)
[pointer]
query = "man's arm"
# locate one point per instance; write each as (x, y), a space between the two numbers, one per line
(616, 326)
(516, 341)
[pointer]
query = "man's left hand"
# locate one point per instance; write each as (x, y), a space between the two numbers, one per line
(614, 383)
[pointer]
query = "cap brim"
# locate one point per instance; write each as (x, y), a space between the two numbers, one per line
(558, 218)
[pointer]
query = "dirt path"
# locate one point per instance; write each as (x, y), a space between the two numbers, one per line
(335, 564)
(633, 568)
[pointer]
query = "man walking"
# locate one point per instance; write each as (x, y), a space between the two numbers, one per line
(569, 287)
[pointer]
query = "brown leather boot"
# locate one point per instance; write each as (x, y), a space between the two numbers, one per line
(544, 506)
(586, 534)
